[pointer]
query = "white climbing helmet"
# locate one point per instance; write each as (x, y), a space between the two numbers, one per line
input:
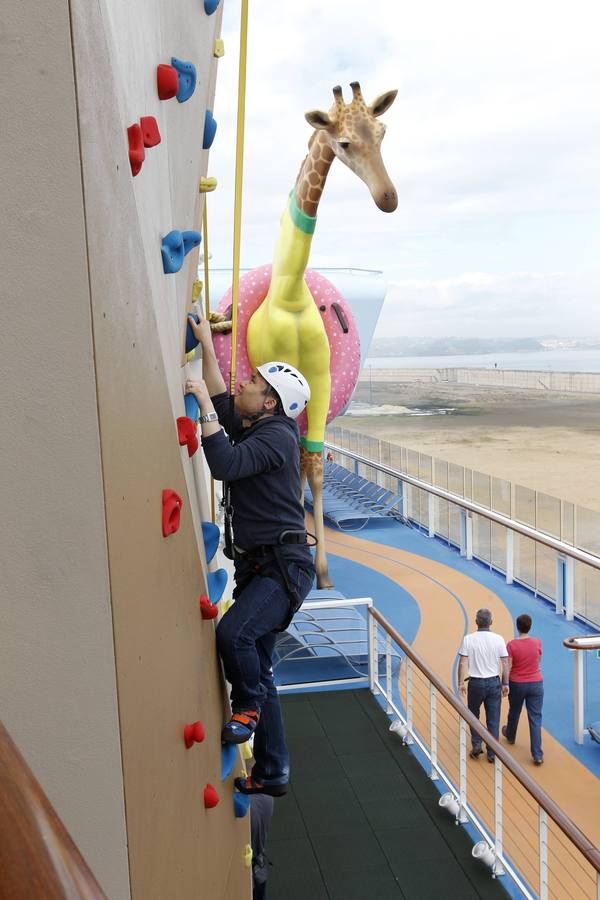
(290, 384)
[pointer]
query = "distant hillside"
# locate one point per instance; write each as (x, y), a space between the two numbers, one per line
(452, 346)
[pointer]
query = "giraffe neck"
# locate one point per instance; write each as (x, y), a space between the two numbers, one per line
(313, 174)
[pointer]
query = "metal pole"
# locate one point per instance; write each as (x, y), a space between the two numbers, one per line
(543, 853)
(388, 671)
(409, 705)
(370, 642)
(560, 585)
(498, 867)
(578, 695)
(462, 815)
(431, 515)
(570, 588)
(510, 555)
(433, 731)
(469, 537)
(463, 532)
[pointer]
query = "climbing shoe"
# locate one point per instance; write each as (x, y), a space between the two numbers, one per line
(250, 785)
(240, 727)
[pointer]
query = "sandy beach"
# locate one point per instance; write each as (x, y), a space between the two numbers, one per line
(546, 441)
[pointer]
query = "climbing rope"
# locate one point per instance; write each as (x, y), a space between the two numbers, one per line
(239, 167)
(205, 256)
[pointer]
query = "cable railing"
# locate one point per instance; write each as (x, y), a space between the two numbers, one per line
(518, 830)
(439, 503)
(524, 834)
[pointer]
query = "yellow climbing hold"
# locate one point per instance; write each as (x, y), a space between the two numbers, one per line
(196, 290)
(247, 856)
(225, 605)
(219, 48)
(246, 750)
(207, 184)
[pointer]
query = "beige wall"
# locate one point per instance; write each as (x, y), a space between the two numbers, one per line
(57, 668)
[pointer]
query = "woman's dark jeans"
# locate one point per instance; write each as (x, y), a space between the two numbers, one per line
(532, 694)
(246, 639)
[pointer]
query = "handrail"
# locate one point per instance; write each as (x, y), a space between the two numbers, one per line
(583, 642)
(588, 850)
(583, 556)
(38, 857)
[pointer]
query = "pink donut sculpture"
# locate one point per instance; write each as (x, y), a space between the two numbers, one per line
(342, 333)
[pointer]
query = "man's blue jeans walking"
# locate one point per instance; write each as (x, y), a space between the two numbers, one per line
(246, 640)
(532, 694)
(489, 692)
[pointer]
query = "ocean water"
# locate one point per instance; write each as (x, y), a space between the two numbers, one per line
(538, 361)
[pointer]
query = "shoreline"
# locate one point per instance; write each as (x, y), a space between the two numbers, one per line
(545, 441)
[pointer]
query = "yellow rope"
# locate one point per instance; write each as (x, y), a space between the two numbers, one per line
(205, 254)
(239, 166)
(206, 313)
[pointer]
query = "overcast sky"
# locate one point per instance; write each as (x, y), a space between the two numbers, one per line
(493, 144)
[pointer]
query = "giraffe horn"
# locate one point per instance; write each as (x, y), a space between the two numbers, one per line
(339, 97)
(356, 91)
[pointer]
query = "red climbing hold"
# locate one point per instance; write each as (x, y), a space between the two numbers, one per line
(208, 609)
(211, 798)
(150, 131)
(171, 512)
(187, 433)
(167, 82)
(193, 734)
(136, 148)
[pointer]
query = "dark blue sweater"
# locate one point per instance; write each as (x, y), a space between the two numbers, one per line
(262, 467)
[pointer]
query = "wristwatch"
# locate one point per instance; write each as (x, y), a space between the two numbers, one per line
(209, 417)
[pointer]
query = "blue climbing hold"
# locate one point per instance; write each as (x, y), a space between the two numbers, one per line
(172, 252)
(191, 239)
(229, 755)
(186, 72)
(191, 341)
(216, 585)
(211, 535)
(210, 129)
(175, 246)
(191, 407)
(211, 6)
(241, 802)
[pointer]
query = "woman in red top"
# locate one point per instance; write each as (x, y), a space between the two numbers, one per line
(526, 686)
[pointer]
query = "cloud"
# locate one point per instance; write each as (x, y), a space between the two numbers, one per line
(479, 304)
(492, 142)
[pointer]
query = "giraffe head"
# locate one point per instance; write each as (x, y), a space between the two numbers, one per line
(354, 135)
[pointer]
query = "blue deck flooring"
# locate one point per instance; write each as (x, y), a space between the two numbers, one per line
(399, 607)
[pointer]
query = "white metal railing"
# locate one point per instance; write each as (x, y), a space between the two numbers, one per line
(525, 835)
(312, 605)
(566, 553)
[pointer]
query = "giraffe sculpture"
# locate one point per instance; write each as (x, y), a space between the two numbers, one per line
(287, 325)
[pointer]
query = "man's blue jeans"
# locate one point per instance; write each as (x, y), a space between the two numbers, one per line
(246, 639)
(532, 694)
(489, 692)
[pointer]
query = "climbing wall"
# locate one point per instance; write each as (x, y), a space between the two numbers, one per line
(143, 214)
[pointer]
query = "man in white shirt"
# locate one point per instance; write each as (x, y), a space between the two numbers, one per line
(483, 662)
